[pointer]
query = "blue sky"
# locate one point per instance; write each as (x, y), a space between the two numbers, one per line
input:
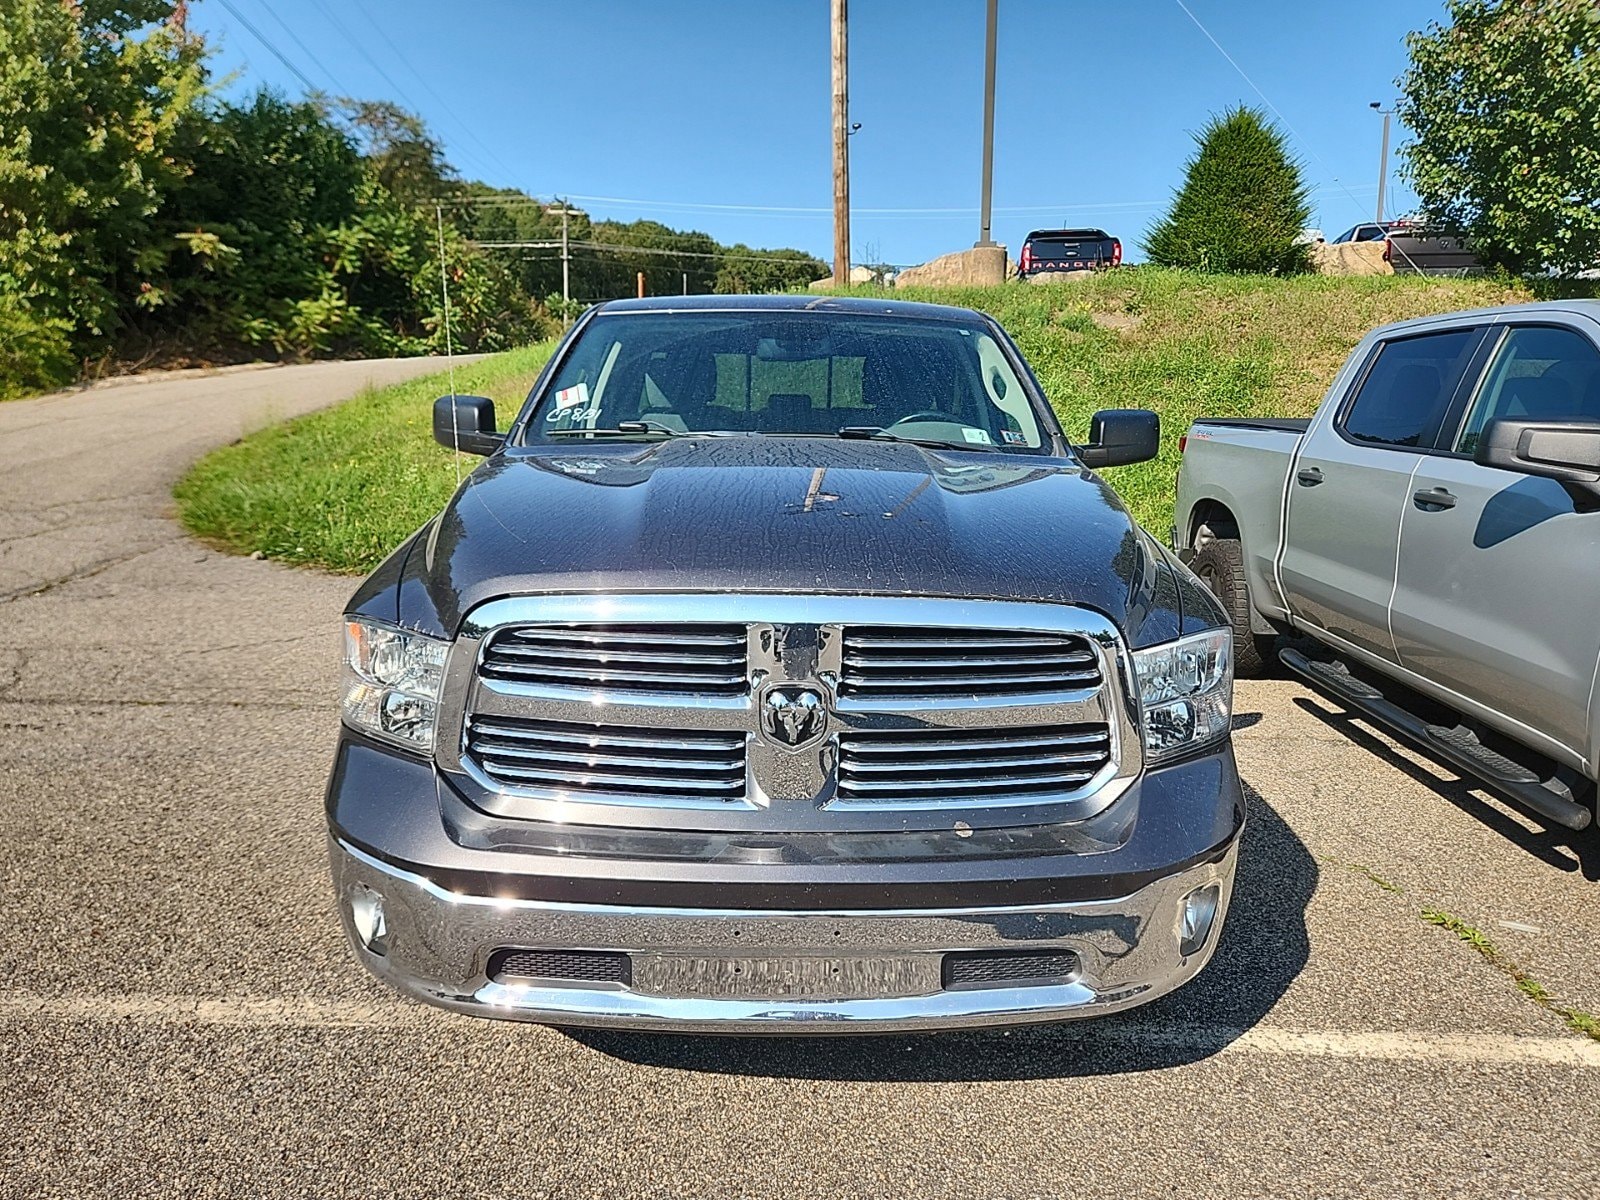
(715, 114)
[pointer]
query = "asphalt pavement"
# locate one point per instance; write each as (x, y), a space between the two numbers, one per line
(179, 1014)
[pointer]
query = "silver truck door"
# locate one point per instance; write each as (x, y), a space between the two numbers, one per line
(1352, 480)
(1495, 598)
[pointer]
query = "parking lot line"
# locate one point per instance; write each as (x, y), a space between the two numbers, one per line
(252, 1012)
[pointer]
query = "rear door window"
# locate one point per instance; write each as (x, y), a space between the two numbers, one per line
(1407, 390)
(1539, 373)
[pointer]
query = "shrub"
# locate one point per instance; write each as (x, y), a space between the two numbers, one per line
(1242, 205)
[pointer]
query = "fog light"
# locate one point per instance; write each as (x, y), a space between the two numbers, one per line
(366, 914)
(1199, 911)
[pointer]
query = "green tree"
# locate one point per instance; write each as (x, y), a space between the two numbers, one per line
(745, 270)
(1242, 205)
(406, 157)
(93, 94)
(1504, 103)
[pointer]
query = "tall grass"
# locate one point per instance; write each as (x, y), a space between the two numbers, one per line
(342, 487)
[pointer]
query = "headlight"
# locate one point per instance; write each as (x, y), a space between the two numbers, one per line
(391, 683)
(1186, 689)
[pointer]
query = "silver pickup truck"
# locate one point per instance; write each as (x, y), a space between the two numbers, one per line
(1434, 530)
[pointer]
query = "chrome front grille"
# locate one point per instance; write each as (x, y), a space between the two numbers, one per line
(682, 660)
(944, 766)
(775, 714)
(897, 663)
(579, 760)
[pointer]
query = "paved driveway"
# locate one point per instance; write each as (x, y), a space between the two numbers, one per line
(178, 1014)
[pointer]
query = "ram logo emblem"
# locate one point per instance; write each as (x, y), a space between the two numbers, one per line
(794, 717)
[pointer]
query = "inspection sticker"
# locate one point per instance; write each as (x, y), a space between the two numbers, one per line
(577, 394)
(981, 436)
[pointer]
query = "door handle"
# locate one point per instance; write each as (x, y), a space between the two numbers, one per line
(1308, 476)
(1433, 498)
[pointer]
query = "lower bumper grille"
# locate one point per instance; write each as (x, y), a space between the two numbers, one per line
(568, 758)
(997, 968)
(943, 765)
(572, 966)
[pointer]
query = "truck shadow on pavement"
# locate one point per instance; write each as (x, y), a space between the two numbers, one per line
(1264, 946)
(1560, 848)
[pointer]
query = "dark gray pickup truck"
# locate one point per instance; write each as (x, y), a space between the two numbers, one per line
(1434, 530)
(784, 669)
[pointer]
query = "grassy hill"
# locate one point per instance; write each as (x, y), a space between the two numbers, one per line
(1191, 345)
(337, 489)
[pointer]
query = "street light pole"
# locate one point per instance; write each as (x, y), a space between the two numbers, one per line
(988, 127)
(1383, 157)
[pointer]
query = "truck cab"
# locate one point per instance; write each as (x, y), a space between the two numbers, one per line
(1435, 524)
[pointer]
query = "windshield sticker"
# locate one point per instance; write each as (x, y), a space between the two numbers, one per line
(572, 397)
(1013, 438)
(979, 436)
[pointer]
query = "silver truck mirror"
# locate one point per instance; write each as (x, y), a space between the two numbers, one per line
(1566, 451)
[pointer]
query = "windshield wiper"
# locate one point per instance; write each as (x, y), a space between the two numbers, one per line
(623, 429)
(879, 434)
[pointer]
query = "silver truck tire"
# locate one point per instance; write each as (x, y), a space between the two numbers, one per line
(1220, 565)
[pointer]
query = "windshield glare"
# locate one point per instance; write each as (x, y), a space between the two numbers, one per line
(788, 373)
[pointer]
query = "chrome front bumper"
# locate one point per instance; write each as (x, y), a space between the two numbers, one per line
(434, 945)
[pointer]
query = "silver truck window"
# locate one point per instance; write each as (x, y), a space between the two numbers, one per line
(1405, 393)
(1539, 373)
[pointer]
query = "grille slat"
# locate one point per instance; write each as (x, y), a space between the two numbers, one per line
(974, 661)
(964, 683)
(1007, 762)
(889, 663)
(888, 639)
(607, 760)
(652, 658)
(932, 766)
(591, 735)
(676, 660)
(599, 636)
(514, 751)
(996, 741)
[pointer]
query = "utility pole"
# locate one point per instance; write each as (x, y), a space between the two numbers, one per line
(988, 127)
(1383, 158)
(566, 259)
(841, 146)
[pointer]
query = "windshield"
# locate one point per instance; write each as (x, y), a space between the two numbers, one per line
(787, 373)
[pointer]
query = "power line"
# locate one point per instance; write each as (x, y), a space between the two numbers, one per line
(262, 38)
(304, 49)
(622, 248)
(327, 11)
(685, 206)
(1278, 112)
(465, 127)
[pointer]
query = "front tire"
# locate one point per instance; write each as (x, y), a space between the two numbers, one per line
(1220, 565)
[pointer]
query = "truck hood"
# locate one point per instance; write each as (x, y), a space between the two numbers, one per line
(754, 514)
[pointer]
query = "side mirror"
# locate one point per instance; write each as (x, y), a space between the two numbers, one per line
(466, 423)
(1118, 436)
(1566, 451)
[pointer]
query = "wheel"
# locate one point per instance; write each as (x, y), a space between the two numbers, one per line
(1220, 565)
